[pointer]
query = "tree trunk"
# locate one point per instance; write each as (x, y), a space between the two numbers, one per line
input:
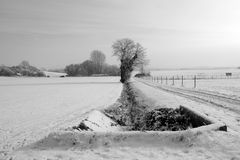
(123, 74)
(127, 68)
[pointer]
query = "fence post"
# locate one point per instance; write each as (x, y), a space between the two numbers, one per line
(182, 81)
(161, 80)
(166, 80)
(173, 81)
(195, 81)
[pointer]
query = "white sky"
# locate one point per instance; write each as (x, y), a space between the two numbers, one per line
(176, 33)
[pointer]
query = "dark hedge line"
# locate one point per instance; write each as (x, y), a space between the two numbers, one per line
(23, 69)
(88, 68)
(136, 116)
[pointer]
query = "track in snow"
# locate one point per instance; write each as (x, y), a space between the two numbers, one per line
(219, 100)
(219, 107)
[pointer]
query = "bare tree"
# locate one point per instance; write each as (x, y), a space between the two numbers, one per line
(130, 54)
(24, 63)
(98, 59)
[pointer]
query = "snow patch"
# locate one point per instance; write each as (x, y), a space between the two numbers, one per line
(97, 121)
(55, 74)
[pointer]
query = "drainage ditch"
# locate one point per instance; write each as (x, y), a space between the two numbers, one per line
(132, 115)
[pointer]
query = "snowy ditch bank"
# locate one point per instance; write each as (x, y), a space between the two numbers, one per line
(101, 131)
(97, 121)
(134, 113)
(124, 124)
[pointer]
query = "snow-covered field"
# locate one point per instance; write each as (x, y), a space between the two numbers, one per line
(188, 72)
(30, 108)
(200, 145)
(221, 107)
(54, 74)
(225, 86)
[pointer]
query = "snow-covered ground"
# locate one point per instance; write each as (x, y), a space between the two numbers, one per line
(192, 72)
(30, 108)
(142, 146)
(54, 74)
(223, 108)
(225, 86)
(68, 110)
(214, 145)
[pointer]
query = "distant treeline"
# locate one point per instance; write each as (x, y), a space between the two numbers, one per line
(23, 69)
(87, 68)
(95, 66)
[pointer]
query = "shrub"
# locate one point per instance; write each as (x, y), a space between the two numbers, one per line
(87, 68)
(72, 69)
(139, 75)
(25, 69)
(165, 119)
(6, 71)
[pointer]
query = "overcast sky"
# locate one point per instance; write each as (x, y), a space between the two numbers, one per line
(176, 33)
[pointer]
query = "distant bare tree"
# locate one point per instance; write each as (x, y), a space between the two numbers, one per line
(130, 54)
(87, 68)
(98, 58)
(142, 67)
(24, 63)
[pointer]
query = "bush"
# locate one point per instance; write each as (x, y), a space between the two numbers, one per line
(88, 68)
(165, 119)
(84, 69)
(139, 75)
(72, 69)
(23, 69)
(6, 71)
(137, 116)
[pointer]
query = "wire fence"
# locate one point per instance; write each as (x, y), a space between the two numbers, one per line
(171, 80)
